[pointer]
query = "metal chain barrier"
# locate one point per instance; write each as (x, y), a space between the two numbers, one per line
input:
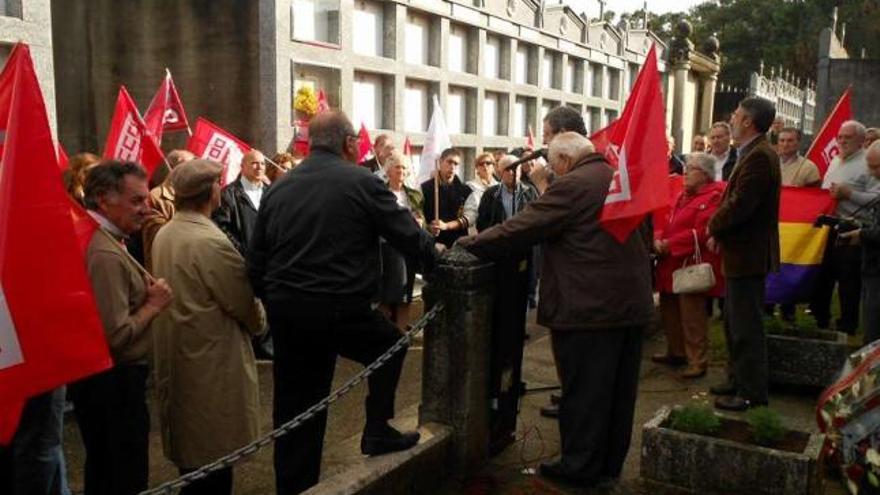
(253, 447)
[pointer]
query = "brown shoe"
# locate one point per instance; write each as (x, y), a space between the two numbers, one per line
(669, 360)
(693, 372)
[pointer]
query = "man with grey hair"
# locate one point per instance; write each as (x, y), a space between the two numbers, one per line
(841, 264)
(314, 263)
(596, 298)
(721, 150)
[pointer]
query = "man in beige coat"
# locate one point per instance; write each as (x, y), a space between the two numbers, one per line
(206, 374)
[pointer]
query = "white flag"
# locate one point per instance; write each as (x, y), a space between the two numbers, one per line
(10, 351)
(436, 142)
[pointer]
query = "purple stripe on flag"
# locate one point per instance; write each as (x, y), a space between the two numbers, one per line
(793, 283)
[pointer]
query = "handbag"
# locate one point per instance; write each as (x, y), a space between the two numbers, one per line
(696, 278)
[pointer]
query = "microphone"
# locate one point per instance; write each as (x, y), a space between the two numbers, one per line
(539, 153)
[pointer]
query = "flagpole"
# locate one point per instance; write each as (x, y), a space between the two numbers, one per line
(143, 271)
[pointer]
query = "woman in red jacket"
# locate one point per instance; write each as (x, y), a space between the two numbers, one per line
(685, 319)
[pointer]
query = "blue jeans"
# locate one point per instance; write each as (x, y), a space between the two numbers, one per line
(37, 460)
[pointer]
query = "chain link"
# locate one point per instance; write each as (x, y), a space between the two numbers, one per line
(252, 448)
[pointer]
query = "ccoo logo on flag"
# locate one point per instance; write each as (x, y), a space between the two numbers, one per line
(830, 151)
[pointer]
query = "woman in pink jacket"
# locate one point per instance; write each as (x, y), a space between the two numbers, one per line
(685, 318)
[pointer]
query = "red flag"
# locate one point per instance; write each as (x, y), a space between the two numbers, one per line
(637, 150)
(364, 145)
(62, 157)
(530, 139)
(128, 139)
(166, 112)
(50, 331)
(407, 147)
(824, 147)
(215, 143)
(322, 102)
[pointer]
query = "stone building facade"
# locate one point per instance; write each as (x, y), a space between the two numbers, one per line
(497, 66)
(30, 21)
(836, 70)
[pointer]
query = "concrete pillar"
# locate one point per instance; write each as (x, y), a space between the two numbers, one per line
(455, 367)
(707, 105)
(680, 70)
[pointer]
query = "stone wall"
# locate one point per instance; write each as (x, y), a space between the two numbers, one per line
(835, 71)
(211, 48)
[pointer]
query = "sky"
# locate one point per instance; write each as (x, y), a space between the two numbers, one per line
(618, 6)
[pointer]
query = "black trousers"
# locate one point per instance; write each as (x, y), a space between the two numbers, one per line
(112, 414)
(216, 483)
(309, 335)
(600, 376)
(746, 340)
(842, 264)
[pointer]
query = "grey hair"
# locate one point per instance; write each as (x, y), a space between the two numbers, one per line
(704, 162)
(723, 125)
(570, 144)
(858, 126)
(394, 159)
(506, 160)
(329, 130)
(106, 178)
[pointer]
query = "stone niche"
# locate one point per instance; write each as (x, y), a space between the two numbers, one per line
(806, 357)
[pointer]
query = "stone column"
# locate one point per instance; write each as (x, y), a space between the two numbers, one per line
(455, 367)
(707, 105)
(680, 71)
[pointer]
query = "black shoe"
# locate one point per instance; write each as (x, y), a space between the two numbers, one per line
(551, 411)
(725, 388)
(736, 403)
(388, 440)
(555, 398)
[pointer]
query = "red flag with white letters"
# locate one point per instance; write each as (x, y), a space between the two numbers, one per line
(636, 148)
(50, 331)
(212, 142)
(824, 147)
(166, 112)
(128, 139)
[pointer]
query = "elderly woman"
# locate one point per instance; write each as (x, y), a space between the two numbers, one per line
(398, 274)
(206, 374)
(75, 176)
(684, 316)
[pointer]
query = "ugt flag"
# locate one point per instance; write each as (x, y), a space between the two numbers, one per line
(635, 145)
(166, 112)
(801, 246)
(128, 139)
(212, 142)
(50, 331)
(824, 147)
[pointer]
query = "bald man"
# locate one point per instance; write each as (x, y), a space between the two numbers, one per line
(241, 201)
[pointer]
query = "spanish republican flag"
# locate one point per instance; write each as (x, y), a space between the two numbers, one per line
(801, 246)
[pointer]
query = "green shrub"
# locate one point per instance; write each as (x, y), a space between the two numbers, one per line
(766, 425)
(698, 419)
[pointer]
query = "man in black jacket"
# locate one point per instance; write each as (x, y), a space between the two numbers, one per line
(240, 201)
(313, 261)
(452, 222)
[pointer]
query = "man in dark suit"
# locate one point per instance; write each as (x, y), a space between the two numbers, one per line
(237, 215)
(721, 150)
(382, 147)
(746, 228)
(314, 263)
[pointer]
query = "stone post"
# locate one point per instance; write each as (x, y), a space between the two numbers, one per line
(707, 105)
(455, 367)
(680, 71)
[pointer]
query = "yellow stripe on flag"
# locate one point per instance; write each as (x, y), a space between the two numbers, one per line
(801, 243)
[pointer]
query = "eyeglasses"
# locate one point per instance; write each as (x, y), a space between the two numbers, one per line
(486, 163)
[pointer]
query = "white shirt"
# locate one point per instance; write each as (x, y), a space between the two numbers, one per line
(254, 191)
(719, 164)
(841, 171)
(402, 198)
(106, 224)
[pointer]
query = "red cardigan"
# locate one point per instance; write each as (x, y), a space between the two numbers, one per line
(690, 213)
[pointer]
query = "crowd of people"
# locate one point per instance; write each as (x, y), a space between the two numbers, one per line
(305, 258)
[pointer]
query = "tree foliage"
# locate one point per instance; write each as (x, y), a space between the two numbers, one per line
(781, 33)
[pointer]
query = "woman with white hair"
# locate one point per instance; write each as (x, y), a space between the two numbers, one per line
(398, 275)
(677, 243)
